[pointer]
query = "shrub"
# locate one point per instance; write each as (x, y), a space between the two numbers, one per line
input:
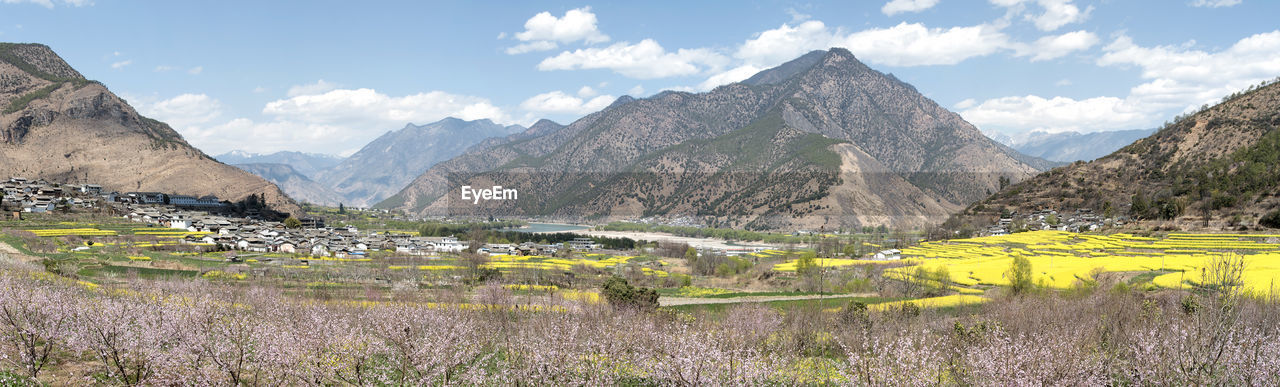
(1271, 220)
(622, 295)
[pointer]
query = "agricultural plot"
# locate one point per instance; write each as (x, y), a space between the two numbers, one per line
(538, 262)
(1061, 259)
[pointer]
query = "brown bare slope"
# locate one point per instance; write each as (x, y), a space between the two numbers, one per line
(59, 126)
(781, 125)
(1217, 168)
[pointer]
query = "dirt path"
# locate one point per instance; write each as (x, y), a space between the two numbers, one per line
(673, 301)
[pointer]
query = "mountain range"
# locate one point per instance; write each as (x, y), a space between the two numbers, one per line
(307, 164)
(385, 165)
(60, 126)
(822, 141)
(1216, 168)
(1070, 147)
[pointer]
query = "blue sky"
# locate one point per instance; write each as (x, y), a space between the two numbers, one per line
(329, 76)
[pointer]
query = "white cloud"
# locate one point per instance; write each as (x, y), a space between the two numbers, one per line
(1057, 46)
(320, 87)
(544, 32)
(733, 75)
(899, 6)
(184, 110)
(1057, 114)
(367, 107)
(196, 70)
(259, 89)
(1179, 79)
(1057, 13)
(637, 91)
(966, 103)
(778, 45)
(915, 45)
(906, 44)
(1063, 82)
(644, 60)
(1183, 77)
(541, 45)
(121, 64)
(561, 103)
(587, 92)
(328, 122)
(163, 68)
(1214, 3)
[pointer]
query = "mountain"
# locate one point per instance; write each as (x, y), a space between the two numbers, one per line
(60, 126)
(385, 165)
(295, 184)
(1216, 168)
(1071, 146)
(822, 141)
(307, 164)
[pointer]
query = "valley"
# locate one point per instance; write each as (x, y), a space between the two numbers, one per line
(837, 193)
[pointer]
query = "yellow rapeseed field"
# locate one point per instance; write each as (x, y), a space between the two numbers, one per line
(1060, 259)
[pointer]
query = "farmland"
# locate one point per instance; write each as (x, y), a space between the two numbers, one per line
(943, 314)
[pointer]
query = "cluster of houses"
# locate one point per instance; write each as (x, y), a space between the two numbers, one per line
(37, 196)
(1080, 221)
(253, 235)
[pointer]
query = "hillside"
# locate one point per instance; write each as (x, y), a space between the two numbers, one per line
(60, 126)
(295, 184)
(386, 164)
(786, 148)
(1218, 168)
(1071, 146)
(307, 164)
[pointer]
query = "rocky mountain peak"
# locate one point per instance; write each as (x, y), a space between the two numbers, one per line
(38, 60)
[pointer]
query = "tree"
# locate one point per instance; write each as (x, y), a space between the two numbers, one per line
(292, 222)
(342, 209)
(1019, 275)
(1139, 208)
(691, 255)
(622, 295)
(1271, 220)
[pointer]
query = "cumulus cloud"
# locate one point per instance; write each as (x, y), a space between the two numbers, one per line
(326, 122)
(1054, 15)
(1057, 114)
(558, 102)
(1178, 79)
(733, 75)
(644, 60)
(320, 87)
(183, 110)
(371, 108)
(906, 44)
(587, 92)
(1057, 46)
(544, 31)
(898, 6)
(195, 70)
(121, 64)
(1214, 3)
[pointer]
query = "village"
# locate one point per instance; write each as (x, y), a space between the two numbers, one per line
(209, 225)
